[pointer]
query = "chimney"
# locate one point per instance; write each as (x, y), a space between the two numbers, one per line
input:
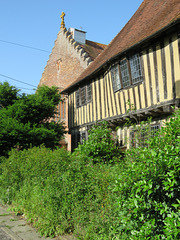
(78, 35)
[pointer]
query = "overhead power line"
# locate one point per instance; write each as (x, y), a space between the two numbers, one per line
(32, 89)
(25, 46)
(17, 80)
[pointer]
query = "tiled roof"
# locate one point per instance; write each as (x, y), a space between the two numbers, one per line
(151, 17)
(93, 48)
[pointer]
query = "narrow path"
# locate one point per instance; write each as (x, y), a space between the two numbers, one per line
(15, 228)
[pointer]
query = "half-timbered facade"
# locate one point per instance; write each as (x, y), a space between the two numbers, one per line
(137, 76)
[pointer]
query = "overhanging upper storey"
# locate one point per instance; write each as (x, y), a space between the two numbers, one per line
(138, 73)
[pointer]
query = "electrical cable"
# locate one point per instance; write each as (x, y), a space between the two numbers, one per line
(32, 89)
(17, 80)
(21, 45)
(25, 46)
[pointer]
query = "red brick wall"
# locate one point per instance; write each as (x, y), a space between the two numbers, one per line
(65, 64)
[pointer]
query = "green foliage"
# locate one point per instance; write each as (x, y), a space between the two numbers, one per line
(149, 204)
(137, 198)
(59, 193)
(24, 120)
(100, 146)
(141, 133)
(8, 94)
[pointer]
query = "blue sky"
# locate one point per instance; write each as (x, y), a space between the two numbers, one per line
(36, 23)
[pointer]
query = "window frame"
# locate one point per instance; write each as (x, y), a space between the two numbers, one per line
(89, 92)
(83, 95)
(78, 104)
(116, 82)
(143, 137)
(130, 73)
(140, 75)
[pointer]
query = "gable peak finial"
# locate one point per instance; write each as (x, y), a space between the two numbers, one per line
(62, 20)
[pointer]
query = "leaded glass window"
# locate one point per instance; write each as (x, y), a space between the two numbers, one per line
(135, 65)
(115, 78)
(83, 95)
(125, 73)
(89, 92)
(77, 99)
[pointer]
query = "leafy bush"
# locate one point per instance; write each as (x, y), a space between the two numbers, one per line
(149, 205)
(57, 192)
(137, 198)
(100, 146)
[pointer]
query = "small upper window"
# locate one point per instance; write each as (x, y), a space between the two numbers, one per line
(83, 95)
(89, 92)
(125, 73)
(115, 78)
(135, 65)
(77, 99)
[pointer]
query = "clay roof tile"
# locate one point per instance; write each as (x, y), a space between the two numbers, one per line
(151, 17)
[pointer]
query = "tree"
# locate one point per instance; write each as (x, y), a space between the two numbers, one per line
(26, 120)
(8, 94)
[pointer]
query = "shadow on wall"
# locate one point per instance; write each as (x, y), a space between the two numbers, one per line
(176, 88)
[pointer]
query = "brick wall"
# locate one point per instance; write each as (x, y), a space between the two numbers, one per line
(65, 64)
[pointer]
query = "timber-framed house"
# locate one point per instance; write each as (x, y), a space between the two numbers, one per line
(137, 75)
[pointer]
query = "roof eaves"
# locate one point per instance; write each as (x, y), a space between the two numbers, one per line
(105, 64)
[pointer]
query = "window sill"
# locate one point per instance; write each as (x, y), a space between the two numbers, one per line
(130, 86)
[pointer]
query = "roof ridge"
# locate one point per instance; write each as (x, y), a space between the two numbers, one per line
(102, 44)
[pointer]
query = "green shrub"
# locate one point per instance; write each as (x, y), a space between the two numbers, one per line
(137, 198)
(100, 146)
(149, 205)
(59, 193)
(24, 181)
